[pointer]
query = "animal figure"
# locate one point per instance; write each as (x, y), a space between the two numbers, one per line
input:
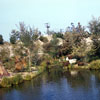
(71, 61)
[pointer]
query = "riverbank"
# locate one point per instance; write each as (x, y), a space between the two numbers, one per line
(17, 78)
(20, 77)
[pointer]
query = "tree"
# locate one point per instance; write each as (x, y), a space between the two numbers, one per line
(1, 39)
(52, 48)
(13, 39)
(94, 26)
(25, 35)
(94, 53)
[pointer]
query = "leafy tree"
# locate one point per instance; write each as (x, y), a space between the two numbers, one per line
(52, 48)
(94, 53)
(13, 39)
(94, 26)
(76, 29)
(1, 39)
(25, 35)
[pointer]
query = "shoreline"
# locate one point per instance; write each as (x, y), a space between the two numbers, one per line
(17, 78)
(20, 77)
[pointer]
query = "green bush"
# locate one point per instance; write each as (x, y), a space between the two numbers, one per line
(43, 39)
(27, 77)
(10, 65)
(1, 39)
(58, 35)
(43, 65)
(6, 82)
(13, 39)
(17, 79)
(95, 64)
(35, 37)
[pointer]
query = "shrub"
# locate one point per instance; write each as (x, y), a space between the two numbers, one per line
(94, 53)
(43, 39)
(70, 66)
(56, 64)
(13, 39)
(43, 65)
(6, 82)
(35, 37)
(95, 64)
(27, 77)
(10, 64)
(17, 79)
(1, 39)
(58, 35)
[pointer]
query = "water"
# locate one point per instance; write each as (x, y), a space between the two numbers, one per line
(83, 85)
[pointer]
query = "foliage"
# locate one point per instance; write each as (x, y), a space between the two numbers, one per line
(57, 64)
(17, 79)
(94, 26)
(6, 82)
(67, 44)
(27, 77)
(52, 48)
(43, 39)
(4, 54)
(10, 64)
(44, 64)
(36, 59)
(1, 39)
(94, 53)
(76, 29)
(95, 64)
(13, 39)
(35, 37)
(58, 35)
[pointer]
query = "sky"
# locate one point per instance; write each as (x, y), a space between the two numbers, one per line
(59, 13)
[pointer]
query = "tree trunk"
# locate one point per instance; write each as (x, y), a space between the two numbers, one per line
(29, 62)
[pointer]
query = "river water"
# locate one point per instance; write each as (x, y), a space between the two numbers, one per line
(57, 85)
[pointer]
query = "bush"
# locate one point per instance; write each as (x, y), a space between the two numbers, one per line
(43, 39)
(43, 65)
(13, 39)
(95, 64)
(17, 79)
(27, 77)
(10, 64)
(94, 53)
(1, 39)
(56, 64)
(35, 37)
(58, 35)
(6, 82)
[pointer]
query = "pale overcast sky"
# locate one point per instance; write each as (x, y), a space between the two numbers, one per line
(59, 13)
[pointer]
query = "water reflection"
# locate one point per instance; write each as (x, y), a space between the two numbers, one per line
(57, 85)
(81, 79)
